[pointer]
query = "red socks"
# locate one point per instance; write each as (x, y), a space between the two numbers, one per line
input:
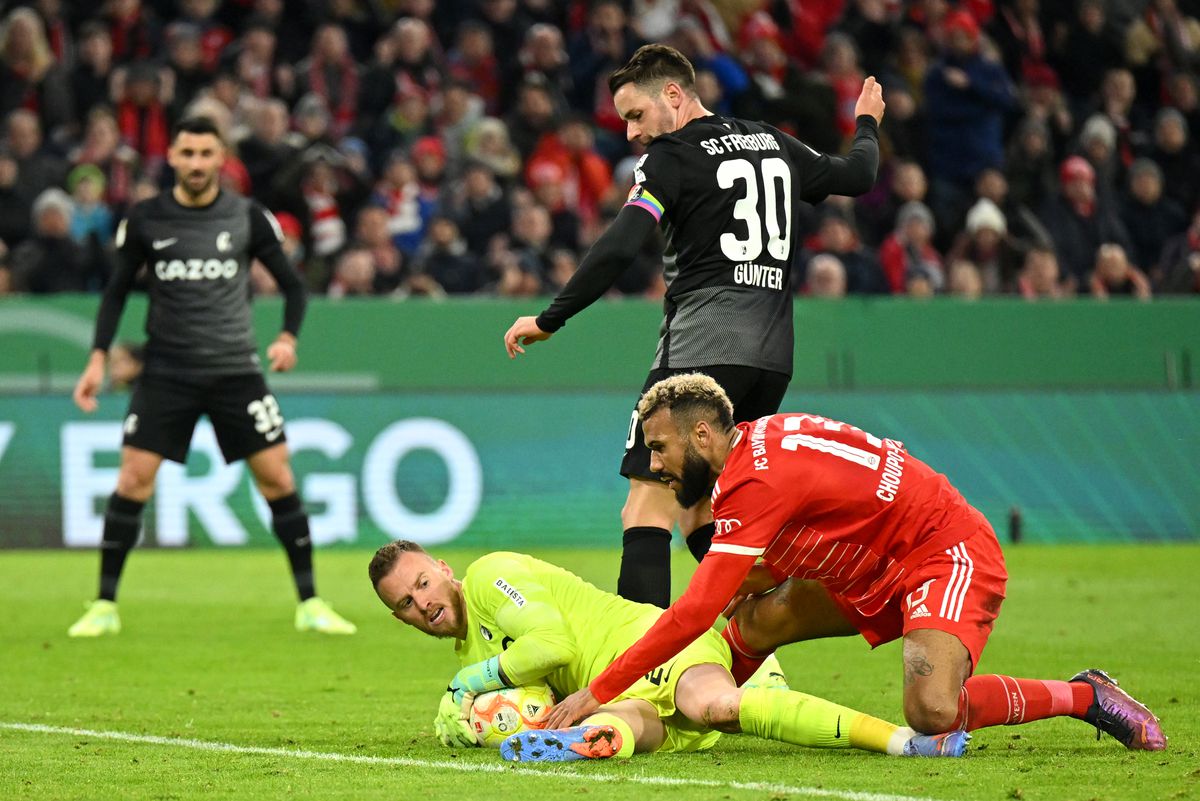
(991, 700)
(745, 661)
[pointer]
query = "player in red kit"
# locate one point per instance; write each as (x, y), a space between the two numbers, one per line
(858, 536)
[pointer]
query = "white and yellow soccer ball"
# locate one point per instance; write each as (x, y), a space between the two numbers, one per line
(498, 714)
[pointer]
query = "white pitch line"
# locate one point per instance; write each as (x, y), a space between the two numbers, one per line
(556, 773)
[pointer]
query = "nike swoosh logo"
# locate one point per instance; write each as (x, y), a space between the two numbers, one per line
(837, 729)
(159, 244)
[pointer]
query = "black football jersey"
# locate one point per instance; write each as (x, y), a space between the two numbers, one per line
(727, 193)
(197, 263)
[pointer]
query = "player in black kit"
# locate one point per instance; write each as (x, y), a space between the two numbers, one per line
(727, 193)
(197, 243)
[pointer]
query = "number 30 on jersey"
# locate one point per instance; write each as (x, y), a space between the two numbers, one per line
(773, 181)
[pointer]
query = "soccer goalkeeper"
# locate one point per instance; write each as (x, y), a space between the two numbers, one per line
(517, 620)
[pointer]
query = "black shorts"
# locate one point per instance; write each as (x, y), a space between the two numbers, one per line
(754, 392)
(164, 409)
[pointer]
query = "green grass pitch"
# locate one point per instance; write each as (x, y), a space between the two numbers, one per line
(209, 693)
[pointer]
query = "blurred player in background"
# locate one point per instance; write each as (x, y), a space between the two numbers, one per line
(727, 193)
(863, 538)
(517, 620)
(197, 243)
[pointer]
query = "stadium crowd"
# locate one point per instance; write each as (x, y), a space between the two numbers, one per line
(448, 147)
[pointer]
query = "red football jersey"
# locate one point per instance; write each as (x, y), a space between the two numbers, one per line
(816, 499)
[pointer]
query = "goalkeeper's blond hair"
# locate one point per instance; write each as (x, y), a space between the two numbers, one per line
(689, 397)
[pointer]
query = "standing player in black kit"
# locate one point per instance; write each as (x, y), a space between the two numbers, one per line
(727, 192)
(197, 243)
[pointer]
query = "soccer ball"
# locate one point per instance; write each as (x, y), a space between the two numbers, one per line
(498, 714)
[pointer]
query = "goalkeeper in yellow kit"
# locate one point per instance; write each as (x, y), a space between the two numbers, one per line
(517, 620)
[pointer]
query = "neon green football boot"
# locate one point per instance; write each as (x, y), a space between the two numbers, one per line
(100, 618)
(769, 675)
(316, 615)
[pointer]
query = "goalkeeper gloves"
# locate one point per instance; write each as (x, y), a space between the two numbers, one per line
(480, 677)
(452, 726)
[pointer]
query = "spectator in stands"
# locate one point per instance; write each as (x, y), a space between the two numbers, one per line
(1179, 266)
(1040, 276)
(1021, 36)
(836, 236)
(428, 155)
(908, 255)
(267, 150)
(840, 64)
(38, 169)
(534, 115)
(254, 60)
(1030, 164)
(187, 69)
(473, 62)
(1185, 97)
(331, 73)
(488, 143)
(91, 217)
(782, 94)
(134, 29)
(1088, 51)
(905, 184)
(1162, 41)
(985, 244)
(546, 180)
(30, 78)
(1178, 160)
(1114, 275)
(964, 281)
(480, 208)
(50, 261)
(142, 117)
(14, 209)
(353, 275)
(544, 53)
(399, 192)
(563, 266)
(457, 118)
(967, 97)
(725, 79)
(825, 277)
(1044, 101)
(604, 45)
(444, 260)
(586, 175)
(103, 147)
(1080, 221)
(531, 230)
(1097, 144)
(1024, 227)
(389, 264)
(1150, 217)
(92, 74)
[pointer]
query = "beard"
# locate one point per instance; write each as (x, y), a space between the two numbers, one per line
(194, 187)
(695, 483)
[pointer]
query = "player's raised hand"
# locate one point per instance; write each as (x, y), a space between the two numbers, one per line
(89, 382)
(282, 353)
(524, 331)
(871, 100)
(572, 709)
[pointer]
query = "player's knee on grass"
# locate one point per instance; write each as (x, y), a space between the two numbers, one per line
(722, 712)
(935, 666)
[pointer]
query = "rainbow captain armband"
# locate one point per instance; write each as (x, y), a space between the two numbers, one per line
(639, 196)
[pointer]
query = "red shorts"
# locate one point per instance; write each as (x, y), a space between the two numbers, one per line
(958, 591)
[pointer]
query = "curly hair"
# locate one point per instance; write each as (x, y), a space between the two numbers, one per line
(689, 397)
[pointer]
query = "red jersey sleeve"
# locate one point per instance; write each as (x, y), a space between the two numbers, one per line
(712, 586)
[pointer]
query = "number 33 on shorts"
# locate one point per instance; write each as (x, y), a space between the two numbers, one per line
(268, 420)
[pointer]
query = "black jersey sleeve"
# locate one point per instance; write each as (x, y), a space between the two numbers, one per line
(852, 174)
(613, 252)
(130, 255)
(266, 240)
